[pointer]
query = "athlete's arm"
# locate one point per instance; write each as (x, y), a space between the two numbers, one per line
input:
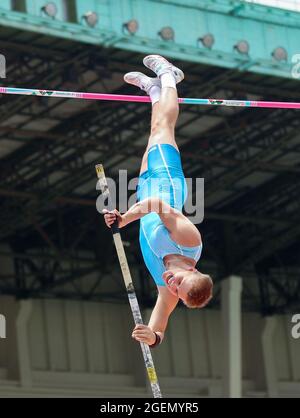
(181, 229)
(137, 211)
(165, 304)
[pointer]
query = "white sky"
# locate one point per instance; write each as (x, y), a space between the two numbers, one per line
(283, 4)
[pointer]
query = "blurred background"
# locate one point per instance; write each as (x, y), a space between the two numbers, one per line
(66, 317)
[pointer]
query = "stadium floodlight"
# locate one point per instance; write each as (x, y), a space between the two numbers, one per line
(242, 47)
(50, 9)
(280, 54)
(132, 26)
(167, 33)
(207, 40)
(91, 18)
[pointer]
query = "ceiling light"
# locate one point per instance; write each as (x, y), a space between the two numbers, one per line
(167, 33)
(50, 9)
(280, 54)
(91, 18)
(207, 40)
(132, 26)
(242, 47)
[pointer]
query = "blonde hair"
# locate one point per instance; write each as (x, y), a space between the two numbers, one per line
(200, 292)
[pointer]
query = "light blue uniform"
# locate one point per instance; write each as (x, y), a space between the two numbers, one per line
(164, 179)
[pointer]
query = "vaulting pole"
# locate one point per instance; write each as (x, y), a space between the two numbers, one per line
(129, 285)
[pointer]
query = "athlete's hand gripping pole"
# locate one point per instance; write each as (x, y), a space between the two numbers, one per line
(128, 284)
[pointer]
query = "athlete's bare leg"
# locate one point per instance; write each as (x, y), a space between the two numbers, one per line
(165, 109)
(164, 117)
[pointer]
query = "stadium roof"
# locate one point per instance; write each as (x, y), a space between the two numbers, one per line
(248, 157)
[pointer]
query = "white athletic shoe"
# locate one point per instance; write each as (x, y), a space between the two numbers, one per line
(159, 65)
(141, 80)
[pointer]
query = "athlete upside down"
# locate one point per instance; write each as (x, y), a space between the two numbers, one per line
(171, 245)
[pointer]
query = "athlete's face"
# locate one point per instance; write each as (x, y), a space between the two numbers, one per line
(179, 283)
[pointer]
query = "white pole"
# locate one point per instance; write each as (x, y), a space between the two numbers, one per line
(232, 338)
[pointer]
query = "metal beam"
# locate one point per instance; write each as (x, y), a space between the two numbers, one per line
(209, 214)
(187, 13)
